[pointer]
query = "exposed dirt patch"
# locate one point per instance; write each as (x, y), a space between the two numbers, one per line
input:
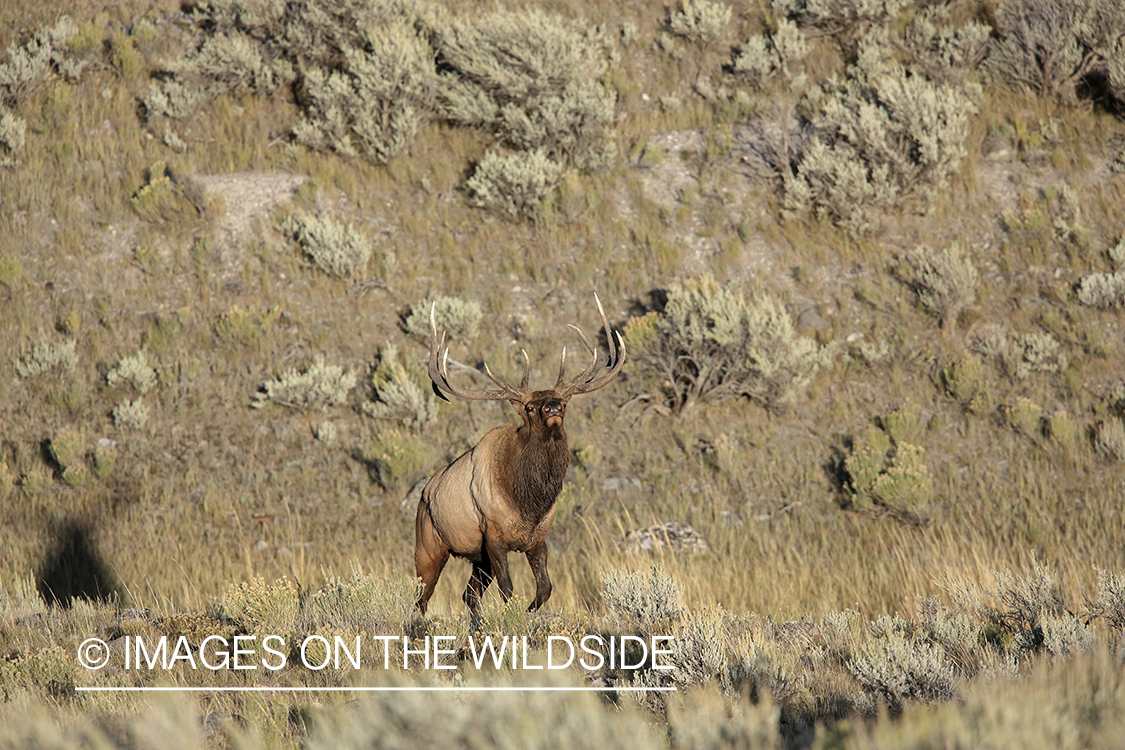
(248, 198)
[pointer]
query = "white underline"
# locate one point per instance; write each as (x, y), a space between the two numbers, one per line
(257, 689)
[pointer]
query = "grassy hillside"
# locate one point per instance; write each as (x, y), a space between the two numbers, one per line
(870, 268)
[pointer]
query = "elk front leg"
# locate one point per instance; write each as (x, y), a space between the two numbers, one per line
(498, 555)
(537, 557)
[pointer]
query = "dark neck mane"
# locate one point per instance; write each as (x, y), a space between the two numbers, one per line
(538, 468)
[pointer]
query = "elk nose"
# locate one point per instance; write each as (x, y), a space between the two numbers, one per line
(552, 409)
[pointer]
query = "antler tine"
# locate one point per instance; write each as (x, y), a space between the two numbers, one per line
(590, 368)
(562, 369)
(439, 374)
(582, 383)
(526, 370)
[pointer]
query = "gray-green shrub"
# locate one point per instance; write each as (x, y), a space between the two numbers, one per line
(133, 372)
(877, 141)
(533, 78)
(12, 136)
(459, 318)
(335, 248)
(364, 70)
(1111, 600)
(318, 387)
(1109, 439)
(48, 359)
(1104, 290)
(945, 281)
(898, 668)
(644, 601)
(130, 415)
(775, 53)
(701, 21)
(940, 50)
(374, 104)
(1052, 46)
(517, 185)
(31, 63)
(363, 604)
(832, 16)
(398, 393)
(711, 342)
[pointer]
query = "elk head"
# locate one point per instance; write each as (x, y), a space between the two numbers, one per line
(535, 407)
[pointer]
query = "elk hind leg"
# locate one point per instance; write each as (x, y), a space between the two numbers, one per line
(430, 557)
(478, 582)
(537, 557)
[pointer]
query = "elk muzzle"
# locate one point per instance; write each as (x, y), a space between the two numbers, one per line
(553, 413)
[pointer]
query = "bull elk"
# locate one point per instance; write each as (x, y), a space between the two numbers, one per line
(499, 496)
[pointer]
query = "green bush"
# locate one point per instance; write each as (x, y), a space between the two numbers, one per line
(262, 608)
(516, 186)
(334, 248)
(68, 447)
(162, 200)
(399, 458)
(713, 343)
(1025, 417)
(963, 380)
(891, 476)
(533, 78)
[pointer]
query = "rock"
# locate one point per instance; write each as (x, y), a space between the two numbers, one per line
(811, 320)
(617, 483)
(673, 535)
(997, 147)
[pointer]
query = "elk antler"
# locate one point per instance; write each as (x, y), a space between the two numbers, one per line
(439, 374)
(583, 382)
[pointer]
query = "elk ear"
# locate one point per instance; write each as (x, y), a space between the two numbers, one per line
(517, 405)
